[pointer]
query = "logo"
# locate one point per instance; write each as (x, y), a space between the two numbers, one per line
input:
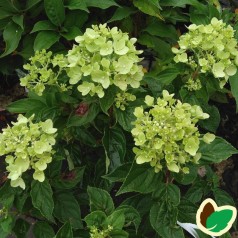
(214, 220)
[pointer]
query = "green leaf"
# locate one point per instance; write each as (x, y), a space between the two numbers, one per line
(219, 220)
(195, 193)
(162, 48)
(31, 3)
(119, 174)
(116, 219)
(161, 29)
(7, 195)
(96, 218)
(150, 7)
(212, 123)
(167, 76)
(71, 33)
(102, 4)
(191, 210)
(223, 198)
(44, 25)
(24, 105)
(71, 179)
(216, 151)
(9, 6)
(182, 3)
(55, 11)
(114, 143)
(141, 178)
(163, 219)
(11, 36)
(45, 39)
(41, 194)
(169, 193)
(125, 118)
(108, 99)
(86, 118)
(233, 80)
(67, 209)
(77, 4)
(100, 200)
(21, 229)
(131, 215)
(118, 234)
(42, 229)
(18, 19)
(65, 231)
(122, 13)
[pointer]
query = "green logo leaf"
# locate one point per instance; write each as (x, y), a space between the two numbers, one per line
(219, 220)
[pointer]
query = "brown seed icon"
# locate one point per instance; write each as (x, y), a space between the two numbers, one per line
(207, 211)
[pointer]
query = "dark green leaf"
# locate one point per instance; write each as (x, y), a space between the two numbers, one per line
(67, 209)
(45, 39)
(122, 13)
(65, 231)
(119, 174)
(102, 4)
(55, 11)
(24, 105)
(182, 3)
(100, 200)
(223, 198)
(219, 220)
(131, 215)
(233, 80)
(18, 19)
(41, 194)
(167, 76)
(125, 118)
(31, 3)
(195, 193)
(86, 118)
(169, 193)
(42, 229)
(77, 4)
(216, 151)
(116, 219)
(212, 123)
(163, 219)
(21, 229)
(44, 25)
(11, 36)
(114, 143)
(150, 7)
(162, 29)
(71, 33)
(108, 99)
(96, 218)
(71, 179)
(141, 178)
(187, 212)
(118, 234)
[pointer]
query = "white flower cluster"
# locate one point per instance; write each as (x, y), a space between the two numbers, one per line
(166, 135)
(209, 48)
(27, 145)
(104, 57)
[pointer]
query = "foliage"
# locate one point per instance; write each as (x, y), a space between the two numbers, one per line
(112, 137)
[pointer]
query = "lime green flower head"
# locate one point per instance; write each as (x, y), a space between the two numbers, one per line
(42, 72)
(213, 48)
(103, 57)
(166, 135)
(27, 145)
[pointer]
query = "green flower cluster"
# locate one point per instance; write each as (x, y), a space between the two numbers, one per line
(193, 84)
(166, 134)
(212, 49)
(122, 99)
(97, 233)
(27, 145)
(41, 71)
(104, 57)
